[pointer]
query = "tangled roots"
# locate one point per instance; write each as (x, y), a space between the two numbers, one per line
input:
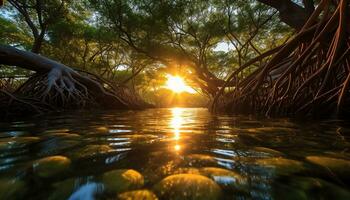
(12, 104)
(309, 75)
(57, 88)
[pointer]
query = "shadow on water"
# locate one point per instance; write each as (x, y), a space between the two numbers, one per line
(178, 153)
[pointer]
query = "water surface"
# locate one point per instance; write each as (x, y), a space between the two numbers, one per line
(173, 153)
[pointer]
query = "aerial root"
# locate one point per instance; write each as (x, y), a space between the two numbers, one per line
(307, 75)
(58, 88)
(11, 103)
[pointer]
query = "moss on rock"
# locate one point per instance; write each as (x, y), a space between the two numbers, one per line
(138, 195)
(225, 178)
(91, 151)
(51, 166)
(199, 160)
(337, 166)
(122, 180)
(187, 186)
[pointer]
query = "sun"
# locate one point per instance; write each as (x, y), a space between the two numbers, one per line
(178, 85)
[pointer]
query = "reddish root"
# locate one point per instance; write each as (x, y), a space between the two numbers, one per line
(309, 75)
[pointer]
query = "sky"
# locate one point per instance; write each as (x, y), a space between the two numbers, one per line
(223, 46)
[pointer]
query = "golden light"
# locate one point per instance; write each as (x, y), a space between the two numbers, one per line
(177, 147)
(176, 121)
(178, 85)
(176, 124)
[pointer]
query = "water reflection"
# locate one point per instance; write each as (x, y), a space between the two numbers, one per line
(176, 122)
(262, 159)
(86, 192)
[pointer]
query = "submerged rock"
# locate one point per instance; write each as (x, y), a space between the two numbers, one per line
(188, 186)
(200, 160)
(338, 166)
(122, 180)
(63, 136)
(63, 189)
(225, 178)
(282, 165)
(91, 151)
(102, 129)
(271, 130)
(17, 142)
(337, 154)
(268, 151)
(54, 147)
(74, 189)
(51, 166)
(138, 195)
(12, 189)
(311, 188)
(63, 130)
(187, 170)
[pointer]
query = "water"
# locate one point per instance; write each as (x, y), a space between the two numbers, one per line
(178, 153)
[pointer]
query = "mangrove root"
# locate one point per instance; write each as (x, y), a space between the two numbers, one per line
(309, 75)
(56, 85)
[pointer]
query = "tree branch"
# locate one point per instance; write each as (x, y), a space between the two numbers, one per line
(290, 13)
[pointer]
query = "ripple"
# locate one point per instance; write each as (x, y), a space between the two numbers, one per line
(270, 155)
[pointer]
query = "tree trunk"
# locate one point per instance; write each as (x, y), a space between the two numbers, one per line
(56, 84)
(38, 41)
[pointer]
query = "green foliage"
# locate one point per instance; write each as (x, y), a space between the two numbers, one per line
(115, 39)
(12, 34)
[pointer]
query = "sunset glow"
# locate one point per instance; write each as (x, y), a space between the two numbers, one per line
(178, 85)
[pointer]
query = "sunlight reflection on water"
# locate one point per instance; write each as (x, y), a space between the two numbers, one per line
(176, 122)
(270, 154)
